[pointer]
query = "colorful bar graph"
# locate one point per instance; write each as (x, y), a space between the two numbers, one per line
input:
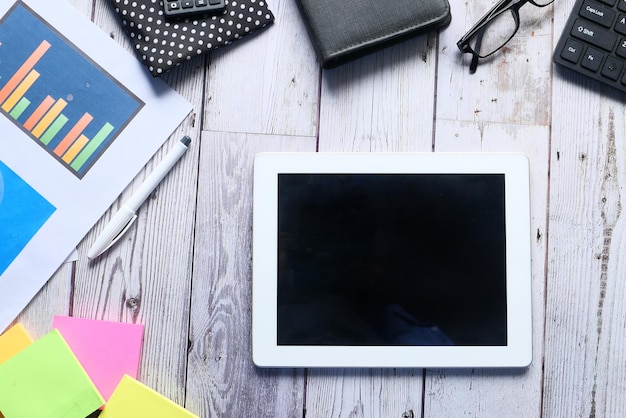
(18, 93)
(60, 98)
(76, 147)
(91, 147)
(41, 110)
(47, 120)
(54, 129)
(72, 135)
(24, 70)
(21, 106)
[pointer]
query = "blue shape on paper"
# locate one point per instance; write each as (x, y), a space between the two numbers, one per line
(23, 212)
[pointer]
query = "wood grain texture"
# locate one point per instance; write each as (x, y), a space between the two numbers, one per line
(146, 277)
(267, 83)
(585, 292)
(509, 392)
(511, 86)
(222, 381)
(184, 269)
(382, 102)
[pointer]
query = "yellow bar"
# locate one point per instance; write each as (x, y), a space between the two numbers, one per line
(75, 148)
(45, 122)
(19, 92)
(23, 70)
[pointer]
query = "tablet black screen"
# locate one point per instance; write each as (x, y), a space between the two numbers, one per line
(391, 259)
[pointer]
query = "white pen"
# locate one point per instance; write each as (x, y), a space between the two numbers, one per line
(125, 217)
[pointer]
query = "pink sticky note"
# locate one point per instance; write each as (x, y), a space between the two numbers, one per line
(107, 350)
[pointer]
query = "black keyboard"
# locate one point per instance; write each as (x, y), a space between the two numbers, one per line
(594, 41)
(184, 8)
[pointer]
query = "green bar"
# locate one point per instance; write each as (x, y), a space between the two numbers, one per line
(53, 129)
(19, 108)
(92, 146)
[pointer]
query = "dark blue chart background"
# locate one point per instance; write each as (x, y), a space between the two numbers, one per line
(66, 73)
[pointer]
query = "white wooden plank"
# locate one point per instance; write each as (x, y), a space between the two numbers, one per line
(222, 381)
(585, 310)
(364, 393)
(266, 83)
(146, 277)
(381, 102)
(483, 392)
(586, 229)
(512, 86)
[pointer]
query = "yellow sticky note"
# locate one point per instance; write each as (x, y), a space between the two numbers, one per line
(132, 399)
(45, 380)
(14, 340)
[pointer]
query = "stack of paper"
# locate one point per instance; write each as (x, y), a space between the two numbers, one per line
(79, 117)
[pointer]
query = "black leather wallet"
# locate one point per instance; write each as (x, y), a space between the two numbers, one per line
(344, 30)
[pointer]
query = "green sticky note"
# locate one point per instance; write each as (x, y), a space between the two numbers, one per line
(46, 380)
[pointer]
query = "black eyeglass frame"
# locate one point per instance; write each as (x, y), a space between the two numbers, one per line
(476, 31)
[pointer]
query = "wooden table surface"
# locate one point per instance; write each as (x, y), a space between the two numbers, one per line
(184, 269)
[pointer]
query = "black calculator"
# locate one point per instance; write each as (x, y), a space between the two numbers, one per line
(594, 41)
(187, 8)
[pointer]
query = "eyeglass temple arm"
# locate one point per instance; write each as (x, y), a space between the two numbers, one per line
(475, 57)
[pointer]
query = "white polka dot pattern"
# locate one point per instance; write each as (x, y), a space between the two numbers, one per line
(163, 44)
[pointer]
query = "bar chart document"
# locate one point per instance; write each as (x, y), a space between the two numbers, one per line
(79, 117)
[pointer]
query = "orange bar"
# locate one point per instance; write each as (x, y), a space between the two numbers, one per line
(45, 122)
(38, 113)
(73, 134)
(75, 149)
(23, 70)
(20, 91)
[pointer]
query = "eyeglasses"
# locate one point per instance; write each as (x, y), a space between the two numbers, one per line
(494, 29)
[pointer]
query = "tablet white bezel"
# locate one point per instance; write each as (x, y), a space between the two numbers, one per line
(265, 350)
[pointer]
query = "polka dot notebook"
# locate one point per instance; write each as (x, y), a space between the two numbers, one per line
(163, 44)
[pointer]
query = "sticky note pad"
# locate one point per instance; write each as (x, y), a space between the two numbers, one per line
(133, 399)
(107, 350)
(46, 380)
(14, 340)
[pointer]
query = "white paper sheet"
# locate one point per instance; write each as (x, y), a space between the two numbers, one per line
(79, 118)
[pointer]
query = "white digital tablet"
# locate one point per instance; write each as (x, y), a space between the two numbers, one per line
(391, 260)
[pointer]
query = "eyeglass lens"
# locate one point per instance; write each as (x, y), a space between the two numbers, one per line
(495, 34)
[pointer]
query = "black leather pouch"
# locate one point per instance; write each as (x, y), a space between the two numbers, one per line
(347, 29)
(163, 44)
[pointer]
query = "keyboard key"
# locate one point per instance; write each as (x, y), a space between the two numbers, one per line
(612, 68)
(572, 50)
(592, 59)
(621, 48)
(593, 34)
(597, 13)
(620, 25)
(593, 41)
